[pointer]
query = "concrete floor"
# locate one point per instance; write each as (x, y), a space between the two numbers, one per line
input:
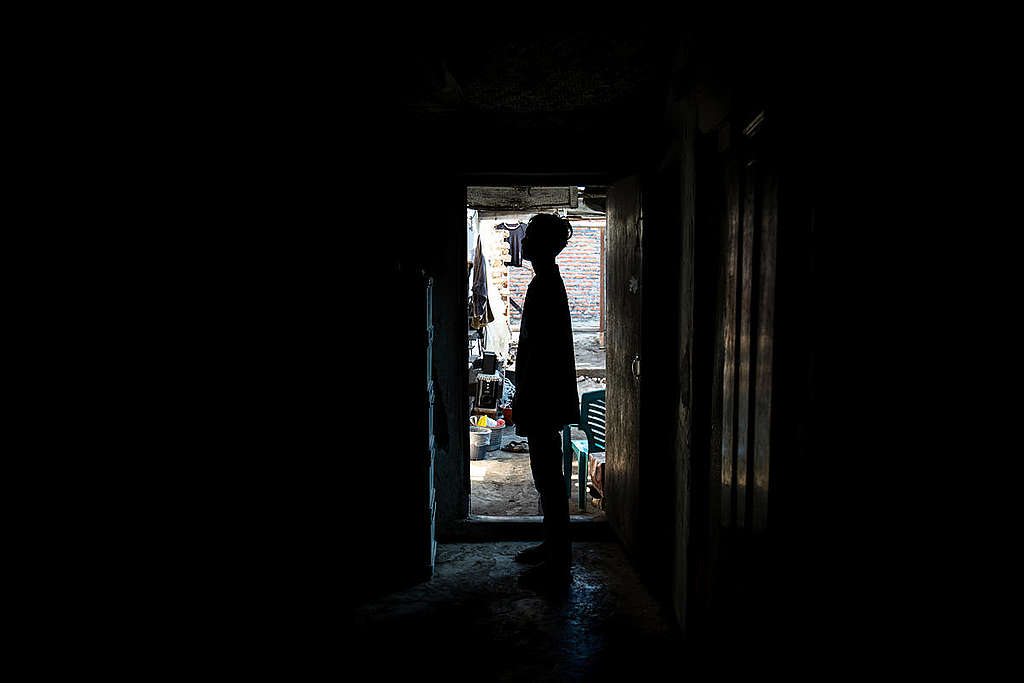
(474, 622)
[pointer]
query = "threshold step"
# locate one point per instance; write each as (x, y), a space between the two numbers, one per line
(524, 528)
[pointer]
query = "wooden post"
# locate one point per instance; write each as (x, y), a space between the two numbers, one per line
(600, 334)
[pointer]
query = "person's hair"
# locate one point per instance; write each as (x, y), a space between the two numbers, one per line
(548, 232)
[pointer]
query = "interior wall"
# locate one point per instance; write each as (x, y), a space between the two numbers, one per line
(385, 520)
(687, 228)
(706, 364)
(752, 576)
(452, 327)
(689, 406)
(436, 242)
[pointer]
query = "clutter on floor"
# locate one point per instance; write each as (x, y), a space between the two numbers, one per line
(595, 473)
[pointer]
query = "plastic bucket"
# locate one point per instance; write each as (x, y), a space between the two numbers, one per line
(496, 434)
(479, 440)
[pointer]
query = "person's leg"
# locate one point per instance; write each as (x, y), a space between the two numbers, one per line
(546, 464)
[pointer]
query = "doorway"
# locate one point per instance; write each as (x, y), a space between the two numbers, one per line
(497, 278)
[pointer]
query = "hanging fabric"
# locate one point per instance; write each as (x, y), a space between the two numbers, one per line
(479, 307)
(515, 241)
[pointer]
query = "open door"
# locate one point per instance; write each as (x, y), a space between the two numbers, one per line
(624, 297)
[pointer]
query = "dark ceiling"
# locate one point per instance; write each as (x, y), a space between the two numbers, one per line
(570, 72)
(572, 102)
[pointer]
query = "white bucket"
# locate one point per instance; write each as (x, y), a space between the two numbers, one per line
(479, 439)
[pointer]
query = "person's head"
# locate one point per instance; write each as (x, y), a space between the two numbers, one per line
(546, 236)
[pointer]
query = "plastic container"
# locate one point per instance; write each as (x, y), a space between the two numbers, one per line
(496, 434)
(479, 440)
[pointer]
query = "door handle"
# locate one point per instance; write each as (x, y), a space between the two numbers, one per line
(635, 367)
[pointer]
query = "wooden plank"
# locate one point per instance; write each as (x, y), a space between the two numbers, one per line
(484, 411)
(729, 341)
(744, 371)
(765, 344)
(521, 198)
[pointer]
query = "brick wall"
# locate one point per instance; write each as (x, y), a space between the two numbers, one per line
(580, 266)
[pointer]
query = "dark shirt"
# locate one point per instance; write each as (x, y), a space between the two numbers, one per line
(515, 243)
(546, 397)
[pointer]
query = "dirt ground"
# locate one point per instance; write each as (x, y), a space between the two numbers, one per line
(589, 355)
(502, 483)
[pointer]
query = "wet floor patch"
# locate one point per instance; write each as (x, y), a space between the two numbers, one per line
(474, 621)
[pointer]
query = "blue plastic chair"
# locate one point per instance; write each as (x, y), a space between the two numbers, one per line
(592, 422)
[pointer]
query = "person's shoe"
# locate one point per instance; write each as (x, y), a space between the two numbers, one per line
(532, 555)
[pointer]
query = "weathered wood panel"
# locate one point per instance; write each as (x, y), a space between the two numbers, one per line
(729, 296)
(743, 361)
(745, 344)
(521, 198)
(765, 347)
(625, 263)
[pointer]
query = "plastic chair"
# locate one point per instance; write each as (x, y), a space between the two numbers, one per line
(592, 422)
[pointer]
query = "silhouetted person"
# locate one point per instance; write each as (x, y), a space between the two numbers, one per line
(546, 397)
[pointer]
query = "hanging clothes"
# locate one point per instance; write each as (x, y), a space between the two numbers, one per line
(479, 307)
(498, 335)
(515, 241)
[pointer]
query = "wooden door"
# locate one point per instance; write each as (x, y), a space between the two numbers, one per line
(624, 365)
